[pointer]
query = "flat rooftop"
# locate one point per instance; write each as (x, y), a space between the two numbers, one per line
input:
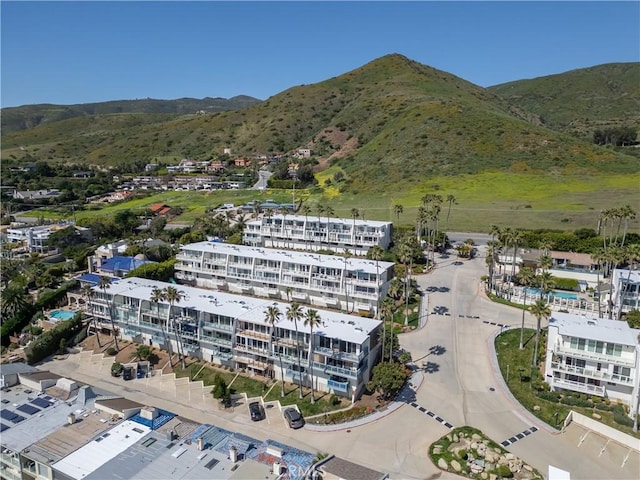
(29, 416)
(350, 328)
(89, 423)
(353, 264)
(613, 331)
(323, 219)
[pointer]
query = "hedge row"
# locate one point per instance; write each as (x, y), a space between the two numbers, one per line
(49, 342)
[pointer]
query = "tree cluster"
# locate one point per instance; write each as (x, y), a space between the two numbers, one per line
(618, 136)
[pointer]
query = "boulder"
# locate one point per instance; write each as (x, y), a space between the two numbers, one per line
(536, 408)
(476, 437)
(442, 464)
(437, 450)
(596, 416)
(450, 438)
(456, 465)
(509, 456)
(484, 475)
(456, 439)
(474, 445)
(493, 476)
(528, 468)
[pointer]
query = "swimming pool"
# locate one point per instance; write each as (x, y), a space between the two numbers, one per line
(565, 295)
(63, 314)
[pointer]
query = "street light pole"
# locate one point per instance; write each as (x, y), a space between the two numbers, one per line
(524, 308)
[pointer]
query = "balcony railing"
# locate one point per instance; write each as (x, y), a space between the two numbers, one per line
(338, 355)
(216, 341)
(580, 387)
(217, 326)
(253, 334)
(343, 372)
(598, 357)
(339, 386)
(589, 372)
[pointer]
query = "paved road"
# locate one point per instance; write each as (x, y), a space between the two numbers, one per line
(459, 387)
(464, 387)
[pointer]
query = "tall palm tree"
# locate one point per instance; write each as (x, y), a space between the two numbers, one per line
(319, 211)
(329, 212)
(628, 213)
(398, 210)
(451, 199)
(103, 284)
(598, 257)
(493, 251)
(88, 294)
(376, 253)
(272, 317)
(632, 256)
(546, 282)
(241, 223)
(540, 310)
(346, 255)
(294, 313)
(527, 276)
(614, 256)
(157, 296)
(172, 296)
(283, 211)
(255, 208)
(311, 319)
(422, 220)
(306, 210)
(405, 255)
(387, 309)
(268, 214)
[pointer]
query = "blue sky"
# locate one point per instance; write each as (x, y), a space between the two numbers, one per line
(80, 52)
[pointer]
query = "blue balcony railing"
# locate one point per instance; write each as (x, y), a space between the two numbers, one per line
(339, 386)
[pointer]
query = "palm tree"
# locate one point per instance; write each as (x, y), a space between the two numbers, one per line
(546, 282)
(398, 210)
(347, 255)
(311, 319)
(387, 309)
(493, 250)
(628, 213)
(294, 313)
(526, 278)
(272, 317)
(283, 211)
(320, 210)
(598, 257)
(103, 284)
(255, 208)
(241, 223)
(405, 255)
(88, 294)
(451, 199)
(632, 256)
(376, 253)
(14, 299)
(172, 296)
(157, 296)
(614, 257)
(268, 214)
(306, 210)
(540, 310)
(329, 212)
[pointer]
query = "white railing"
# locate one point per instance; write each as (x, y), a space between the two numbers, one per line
(588, 372)
(580, 387)
(598, 357)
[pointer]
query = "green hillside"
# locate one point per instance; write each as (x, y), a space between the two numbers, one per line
(580, 101)
(388, 125)
(29, 116)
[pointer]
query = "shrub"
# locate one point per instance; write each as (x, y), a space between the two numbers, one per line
(621, 418)
(116, 369)
(462, 454)
(111, 351)
(570, 284)
(503, 471)
(549, 396)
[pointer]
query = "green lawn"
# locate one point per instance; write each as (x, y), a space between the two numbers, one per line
(517, 200)
(254, 387)
(522, 381)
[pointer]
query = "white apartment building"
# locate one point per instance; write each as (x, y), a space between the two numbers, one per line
(594, 356)
(626, 290)
(349, 284)
(231, 330)
(309, 232)
(35, 238)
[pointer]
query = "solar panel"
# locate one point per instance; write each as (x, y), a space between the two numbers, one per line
(17, 419)
(28, 409)
(7, 414)
(41, 402)
(3, 427)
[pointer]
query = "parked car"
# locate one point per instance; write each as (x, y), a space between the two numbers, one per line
(127, 373)
(293, 418)
(257, 412)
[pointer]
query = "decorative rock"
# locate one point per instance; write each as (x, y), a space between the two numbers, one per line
(509, 456)
(476, 437)
(437, 450)
(450, 438)
(456, 439)
(596, 416)
(474, 445)
(528, 468)
(489, 466)
(442, 464)
(456, 465)
(536, 408)
(493, 476)
(484, 475)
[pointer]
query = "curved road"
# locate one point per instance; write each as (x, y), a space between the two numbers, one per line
(457, 387)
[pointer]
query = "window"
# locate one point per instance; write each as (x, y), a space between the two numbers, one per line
(614, 349)
(622, 371)
(578, 343)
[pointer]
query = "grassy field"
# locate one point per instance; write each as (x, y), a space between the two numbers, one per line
(517, 200)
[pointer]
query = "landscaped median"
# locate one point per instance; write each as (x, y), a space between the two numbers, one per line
(468, 452)
(528, 387)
